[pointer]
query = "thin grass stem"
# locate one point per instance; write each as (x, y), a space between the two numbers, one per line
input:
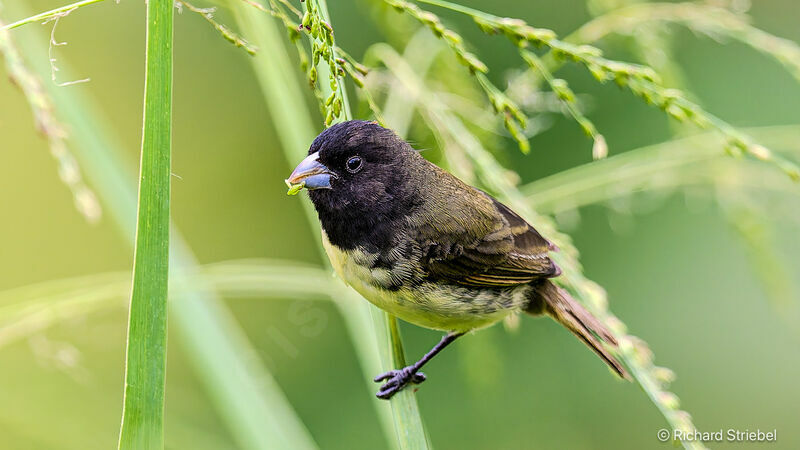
(47, 15)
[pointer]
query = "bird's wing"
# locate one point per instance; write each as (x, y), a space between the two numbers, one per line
(497, 248)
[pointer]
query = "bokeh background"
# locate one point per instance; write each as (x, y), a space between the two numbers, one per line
(677, 272)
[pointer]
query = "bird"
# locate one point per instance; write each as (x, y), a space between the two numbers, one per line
(426, 247)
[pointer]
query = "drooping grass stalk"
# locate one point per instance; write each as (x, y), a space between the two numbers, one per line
(146, 354)
(206, 13)
(47, 15)
(243, 391)
(293, 122)
(225, 32)
(513, 118)
(714, 21)
(640, 80)
(708, 19)
(567, 97)
(654, 47)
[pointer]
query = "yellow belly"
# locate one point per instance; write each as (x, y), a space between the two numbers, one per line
(430, 305)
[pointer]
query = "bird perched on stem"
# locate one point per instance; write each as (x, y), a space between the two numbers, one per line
(420, 244)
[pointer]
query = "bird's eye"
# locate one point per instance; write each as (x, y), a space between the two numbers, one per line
(354, 164)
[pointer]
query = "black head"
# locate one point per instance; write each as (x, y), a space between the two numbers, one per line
(359, 176)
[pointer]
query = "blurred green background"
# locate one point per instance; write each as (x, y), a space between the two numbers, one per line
(676, 272)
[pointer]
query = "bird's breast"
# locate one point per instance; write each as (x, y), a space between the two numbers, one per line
(400, 288)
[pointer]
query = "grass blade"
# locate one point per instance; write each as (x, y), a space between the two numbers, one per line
(146, 355)
(31, 309)
(678, 163)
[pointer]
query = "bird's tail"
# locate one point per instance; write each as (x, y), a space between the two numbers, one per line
(557, 303)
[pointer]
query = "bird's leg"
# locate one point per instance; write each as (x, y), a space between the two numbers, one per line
(396, 380)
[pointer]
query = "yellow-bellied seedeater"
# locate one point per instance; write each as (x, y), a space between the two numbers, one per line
(427, 248)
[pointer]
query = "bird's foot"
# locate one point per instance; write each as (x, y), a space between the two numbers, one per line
(396, 380)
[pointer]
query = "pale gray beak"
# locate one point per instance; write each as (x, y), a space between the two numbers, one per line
(310, 174)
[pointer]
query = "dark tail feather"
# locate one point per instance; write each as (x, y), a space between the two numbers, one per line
(558, 304)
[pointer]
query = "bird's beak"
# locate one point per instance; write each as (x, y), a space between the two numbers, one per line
(310, 174)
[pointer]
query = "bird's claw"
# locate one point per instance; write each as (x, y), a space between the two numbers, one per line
(396, 380)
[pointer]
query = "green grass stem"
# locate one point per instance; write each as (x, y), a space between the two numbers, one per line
(146, 355)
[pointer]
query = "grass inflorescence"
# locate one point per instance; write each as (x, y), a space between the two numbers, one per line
(514, 119)
(322, 58)
(640, 80)
(567, 97)
(49, 125)
(225, 32)
(704, 18)
(323, 51)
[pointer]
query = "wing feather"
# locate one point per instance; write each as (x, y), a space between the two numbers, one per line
(506, 252)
